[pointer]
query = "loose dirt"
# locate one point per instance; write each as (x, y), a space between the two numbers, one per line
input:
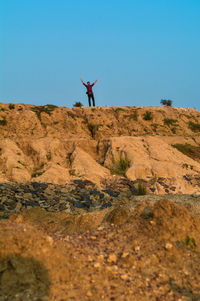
(152, 254)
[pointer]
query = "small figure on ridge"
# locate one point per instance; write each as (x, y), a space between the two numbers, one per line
(89, 91)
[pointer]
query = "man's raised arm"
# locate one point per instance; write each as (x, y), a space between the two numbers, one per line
(95, 82)
(82, 81)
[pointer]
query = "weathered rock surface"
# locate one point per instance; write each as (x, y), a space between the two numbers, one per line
(57, 145)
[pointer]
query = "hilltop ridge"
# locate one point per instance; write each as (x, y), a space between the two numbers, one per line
(101, 144)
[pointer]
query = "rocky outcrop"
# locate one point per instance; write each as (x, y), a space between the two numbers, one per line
(58, 145)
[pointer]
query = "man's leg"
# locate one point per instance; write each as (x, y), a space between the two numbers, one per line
(93, 100)
(89, 100)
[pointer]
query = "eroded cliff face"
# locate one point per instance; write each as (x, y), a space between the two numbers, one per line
(58, 145)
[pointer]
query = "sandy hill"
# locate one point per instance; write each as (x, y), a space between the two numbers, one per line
(95, 239)
(156, 146)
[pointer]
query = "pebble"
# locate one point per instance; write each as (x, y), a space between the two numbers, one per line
(124, 277)
(125, 254)
(137, 248)
(168, 246)
(89, 294)
(112, 258)
(100, 228)
(97, 265)
(50, 240)
(101, 257)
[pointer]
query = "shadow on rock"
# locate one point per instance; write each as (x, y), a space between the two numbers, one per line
(23, 278)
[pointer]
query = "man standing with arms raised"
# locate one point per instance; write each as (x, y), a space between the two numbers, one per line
(89, 91)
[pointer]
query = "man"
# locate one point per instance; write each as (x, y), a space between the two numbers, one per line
(89, 91)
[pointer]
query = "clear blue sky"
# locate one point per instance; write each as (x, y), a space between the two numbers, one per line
(141, 51)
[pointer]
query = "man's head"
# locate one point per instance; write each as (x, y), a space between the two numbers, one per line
(88, 83)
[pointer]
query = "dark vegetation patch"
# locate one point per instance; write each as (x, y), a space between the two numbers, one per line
(120, 109)
(148, 115)
(170, 121)
(11, 106)
(140, 187)
(166, 102)
(155, 127)
(190, 242)
(189, 150)
(78, 104)
(38, 171)
(93, 128)
(195, 127)
(173, 130)
(3, 121)
(46, 109)
(71, 114)
(121, 165)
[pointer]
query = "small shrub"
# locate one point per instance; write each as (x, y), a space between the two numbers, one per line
(50, 107)
(134, 116)
(93, 128)
(166, 102)
(119, 109)
(11, 106)
(195, 127)
(48, 156)
(71, 114)
(190, 242)
(46, 109)
(78, 104)
(72, 172)
(2, 109)
(37, 174)
(121, 165)
(173, 130)
(170, 121)
(186, 166)
(155, 126)
(37, 171)
(3, 121)
(141, 187)
(148, 115)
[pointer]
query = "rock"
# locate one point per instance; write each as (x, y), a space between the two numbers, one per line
(93, 237)
(125, 254)
(2, 208)
(106, 205)
(85, 166)
(112, 193)
(112, 258)
(62, 206)
(79, 205)
(137, 248)
(168, 246)
(124, 277)
(89, 294)
(31, 204)
(97, 265)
